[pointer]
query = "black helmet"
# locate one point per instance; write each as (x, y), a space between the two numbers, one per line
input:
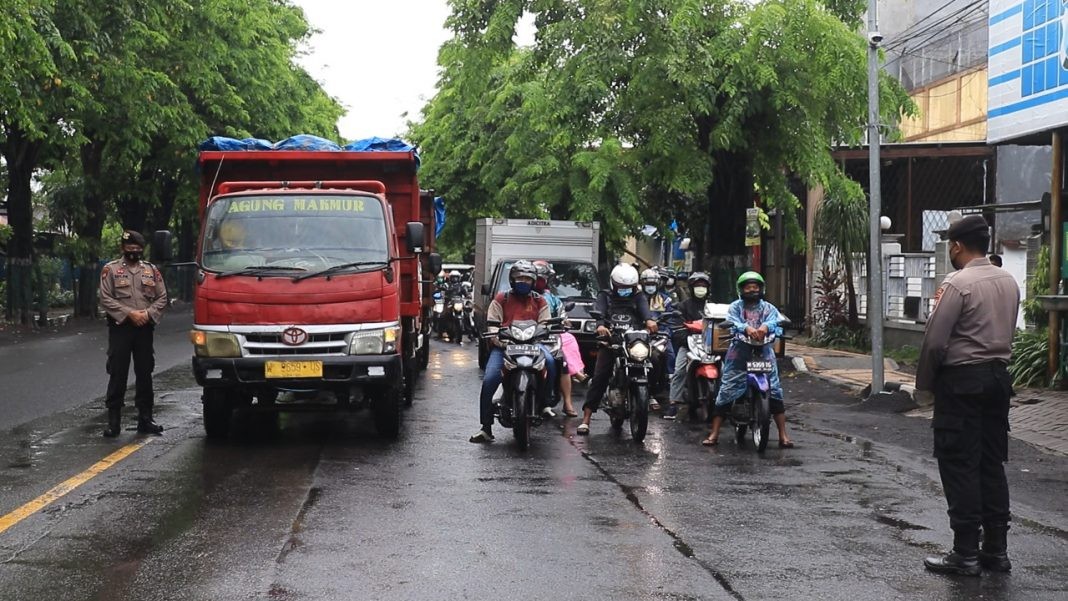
(698, 276)
(522, 268)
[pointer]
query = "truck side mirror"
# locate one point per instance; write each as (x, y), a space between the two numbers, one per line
(162, 246)
(433, 261)
(415, 236)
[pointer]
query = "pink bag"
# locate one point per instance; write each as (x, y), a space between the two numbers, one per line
(572, 355)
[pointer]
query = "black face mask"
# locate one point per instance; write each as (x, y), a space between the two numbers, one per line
(752, 297)
(131, 256)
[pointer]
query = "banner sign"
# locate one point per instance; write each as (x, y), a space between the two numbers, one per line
(1028, 68)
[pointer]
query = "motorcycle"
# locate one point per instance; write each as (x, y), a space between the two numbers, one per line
(628, 388)
(751, 412)
(705, 365)
(525, 374)
(437, 316)
(454, 319)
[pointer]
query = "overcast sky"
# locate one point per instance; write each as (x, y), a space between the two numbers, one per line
(378, 57)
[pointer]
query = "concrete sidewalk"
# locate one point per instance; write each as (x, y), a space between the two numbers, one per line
(1036, 416)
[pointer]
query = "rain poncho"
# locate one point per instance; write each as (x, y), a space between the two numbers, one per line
(733, 383)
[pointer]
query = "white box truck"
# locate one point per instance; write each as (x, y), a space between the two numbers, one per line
(571, 246)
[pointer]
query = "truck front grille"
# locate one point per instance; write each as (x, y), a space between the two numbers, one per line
(270, 343)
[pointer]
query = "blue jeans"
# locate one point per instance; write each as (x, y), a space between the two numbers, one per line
(492, 379)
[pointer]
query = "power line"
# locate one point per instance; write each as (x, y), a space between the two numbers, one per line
(939, 25)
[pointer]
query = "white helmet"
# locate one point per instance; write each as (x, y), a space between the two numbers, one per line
(624, 275)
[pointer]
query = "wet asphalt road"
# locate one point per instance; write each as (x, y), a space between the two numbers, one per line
(323, 509)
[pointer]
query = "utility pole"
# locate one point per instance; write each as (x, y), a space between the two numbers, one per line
(875, 258)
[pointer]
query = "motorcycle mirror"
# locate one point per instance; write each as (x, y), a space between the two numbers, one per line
(569, 306)
(726, 325)
(596, 314)
(495, 324)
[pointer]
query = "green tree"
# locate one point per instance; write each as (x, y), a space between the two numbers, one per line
(634, 112)
(842, 230)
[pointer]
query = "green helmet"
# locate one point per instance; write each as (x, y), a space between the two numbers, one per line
(749, 276)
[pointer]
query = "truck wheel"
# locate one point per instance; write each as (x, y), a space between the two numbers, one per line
(386, 407)
(424, 353)
(411, 372)
(218, 411)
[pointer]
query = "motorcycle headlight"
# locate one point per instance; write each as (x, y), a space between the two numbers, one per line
(457, 306)
(639, 351)
(523, 335)
(438, 308)
(374, 342)
(214, 344)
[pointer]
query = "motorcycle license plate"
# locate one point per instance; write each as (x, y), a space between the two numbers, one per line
(524, 349)
(293, 369)
(758, 366)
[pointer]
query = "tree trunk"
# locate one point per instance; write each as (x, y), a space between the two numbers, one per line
(21, 154)
(851, 292)
(92, 155)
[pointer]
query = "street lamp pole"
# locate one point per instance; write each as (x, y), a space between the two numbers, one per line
(875, 260)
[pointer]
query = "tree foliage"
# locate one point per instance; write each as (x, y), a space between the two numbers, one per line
(634, 112)
(111, 96)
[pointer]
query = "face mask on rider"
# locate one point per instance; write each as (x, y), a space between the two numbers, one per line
(700, 292)
(521, 288)
(624, 292)
(132, 256)
(650, 290)
(752, 297)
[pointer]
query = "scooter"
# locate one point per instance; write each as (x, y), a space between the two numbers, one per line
(627, 398)
(437, 317)
(705, 361)
(751, 412)
(525, 374)
(454, 320)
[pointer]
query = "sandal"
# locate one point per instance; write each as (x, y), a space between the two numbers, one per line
(583, 429)
(786, 444)
(580, 377)
(570, 413)
(710, 442)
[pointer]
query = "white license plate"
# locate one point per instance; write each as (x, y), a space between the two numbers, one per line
(523, 349)
(758, 366)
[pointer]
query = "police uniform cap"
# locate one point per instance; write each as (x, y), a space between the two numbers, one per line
(132, 237)
(969, 227)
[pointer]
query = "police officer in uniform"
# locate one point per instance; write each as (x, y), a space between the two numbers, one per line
(133, 295)
(966, 350)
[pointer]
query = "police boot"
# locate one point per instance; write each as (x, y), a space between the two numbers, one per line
(963, 561)
(145, 425)
(994, 554)
(114, 422)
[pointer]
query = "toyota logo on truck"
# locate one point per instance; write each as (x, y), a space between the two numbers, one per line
(294, 336)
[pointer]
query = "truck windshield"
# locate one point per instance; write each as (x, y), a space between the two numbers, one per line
(303, 232)
(574, 279)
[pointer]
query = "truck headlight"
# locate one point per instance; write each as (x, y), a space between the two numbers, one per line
(589, 326)
(374, 342)
(214, 344)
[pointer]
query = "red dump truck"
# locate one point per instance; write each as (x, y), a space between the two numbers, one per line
(310, 282)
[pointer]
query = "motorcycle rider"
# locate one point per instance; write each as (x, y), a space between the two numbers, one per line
(520, 303)
(669, 284)
(556, 309)
(660, 302)
(624, 298)
(756, 318)
(691, 309)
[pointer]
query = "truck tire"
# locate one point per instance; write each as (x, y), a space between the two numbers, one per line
(411, 373)
(483, 354)
(218, 413)
(386, 403)
(424, 353)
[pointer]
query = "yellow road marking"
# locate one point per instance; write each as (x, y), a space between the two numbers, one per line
(68, 485)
